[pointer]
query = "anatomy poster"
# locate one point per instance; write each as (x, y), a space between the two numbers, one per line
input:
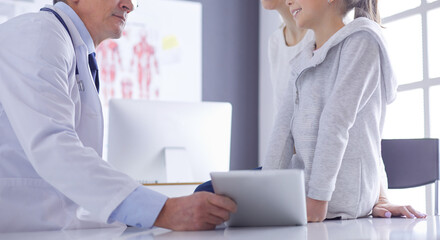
(158, 56)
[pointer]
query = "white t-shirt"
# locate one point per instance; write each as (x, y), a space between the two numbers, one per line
(279, 56)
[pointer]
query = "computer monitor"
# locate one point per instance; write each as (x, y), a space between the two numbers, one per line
(159, 142)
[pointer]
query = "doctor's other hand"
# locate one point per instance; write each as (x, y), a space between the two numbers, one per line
(199, 211)
(316, 210)
(385, 209)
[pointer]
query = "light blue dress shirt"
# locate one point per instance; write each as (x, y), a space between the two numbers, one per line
(83, 32)
(143, 205)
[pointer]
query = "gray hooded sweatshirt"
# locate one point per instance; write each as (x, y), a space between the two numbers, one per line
(331, 119)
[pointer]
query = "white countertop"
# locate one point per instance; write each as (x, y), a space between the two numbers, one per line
(365, 228)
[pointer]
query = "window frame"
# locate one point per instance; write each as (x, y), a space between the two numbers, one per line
(426, 82)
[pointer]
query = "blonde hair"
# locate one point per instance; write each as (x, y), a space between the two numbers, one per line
(363, 8)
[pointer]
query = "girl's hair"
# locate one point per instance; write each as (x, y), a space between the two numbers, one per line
(363, 8)
(55, 1)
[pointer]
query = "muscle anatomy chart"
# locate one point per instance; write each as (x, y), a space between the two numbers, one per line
(158, 56)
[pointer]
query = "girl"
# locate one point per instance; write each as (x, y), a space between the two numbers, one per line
(335, 108)
(284, 44)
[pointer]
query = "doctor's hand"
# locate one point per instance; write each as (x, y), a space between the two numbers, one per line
(316, 210)
(200, 211)
(385, 209)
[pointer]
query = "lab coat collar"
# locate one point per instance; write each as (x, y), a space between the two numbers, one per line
(74, 34)
(83, 32)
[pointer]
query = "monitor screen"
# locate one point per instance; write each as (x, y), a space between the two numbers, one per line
(160, 142)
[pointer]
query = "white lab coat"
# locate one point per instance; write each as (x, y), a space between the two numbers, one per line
(52, 175)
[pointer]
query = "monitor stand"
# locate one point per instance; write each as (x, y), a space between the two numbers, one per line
(177, 165)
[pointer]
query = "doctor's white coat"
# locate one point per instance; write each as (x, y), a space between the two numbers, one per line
(51, 173)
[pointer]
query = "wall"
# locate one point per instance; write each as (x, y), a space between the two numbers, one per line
(269, 21)
(230, 38)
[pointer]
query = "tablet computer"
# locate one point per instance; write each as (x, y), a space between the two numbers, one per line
(264, 198)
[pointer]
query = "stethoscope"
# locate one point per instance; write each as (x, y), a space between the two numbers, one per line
(79, 82)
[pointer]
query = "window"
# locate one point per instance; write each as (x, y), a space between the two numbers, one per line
(433, 43)
(392, 7)
(406, 110)
(406, 49)
(413, 35)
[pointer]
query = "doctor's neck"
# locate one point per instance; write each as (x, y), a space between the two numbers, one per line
(103, 19)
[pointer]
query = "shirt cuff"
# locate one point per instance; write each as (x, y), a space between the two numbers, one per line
(140, 208)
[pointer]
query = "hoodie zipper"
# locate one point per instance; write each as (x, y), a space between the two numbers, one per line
(296, 84)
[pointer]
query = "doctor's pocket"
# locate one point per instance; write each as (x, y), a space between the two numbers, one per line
(28, 204)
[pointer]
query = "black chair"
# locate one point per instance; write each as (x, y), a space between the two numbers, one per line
(412, 163)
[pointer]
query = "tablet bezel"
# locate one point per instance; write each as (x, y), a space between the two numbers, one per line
(264, 198)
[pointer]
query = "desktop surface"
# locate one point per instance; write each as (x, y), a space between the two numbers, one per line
(364, 228)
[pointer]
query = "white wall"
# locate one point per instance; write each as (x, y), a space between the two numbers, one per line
(269, 21)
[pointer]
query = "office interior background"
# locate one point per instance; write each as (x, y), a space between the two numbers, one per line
(229, 60)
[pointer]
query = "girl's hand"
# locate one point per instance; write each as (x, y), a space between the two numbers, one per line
(385, 209)
(316, 210)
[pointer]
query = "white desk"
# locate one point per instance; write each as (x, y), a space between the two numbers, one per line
(366, 228)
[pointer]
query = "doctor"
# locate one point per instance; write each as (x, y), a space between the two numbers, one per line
(52, 175)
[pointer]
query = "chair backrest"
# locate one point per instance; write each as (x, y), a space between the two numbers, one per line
(411, 162)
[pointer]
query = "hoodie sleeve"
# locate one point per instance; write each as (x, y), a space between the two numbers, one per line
(358, 77)
(281, 146)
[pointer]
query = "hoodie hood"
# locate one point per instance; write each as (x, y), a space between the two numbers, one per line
(357, 25)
